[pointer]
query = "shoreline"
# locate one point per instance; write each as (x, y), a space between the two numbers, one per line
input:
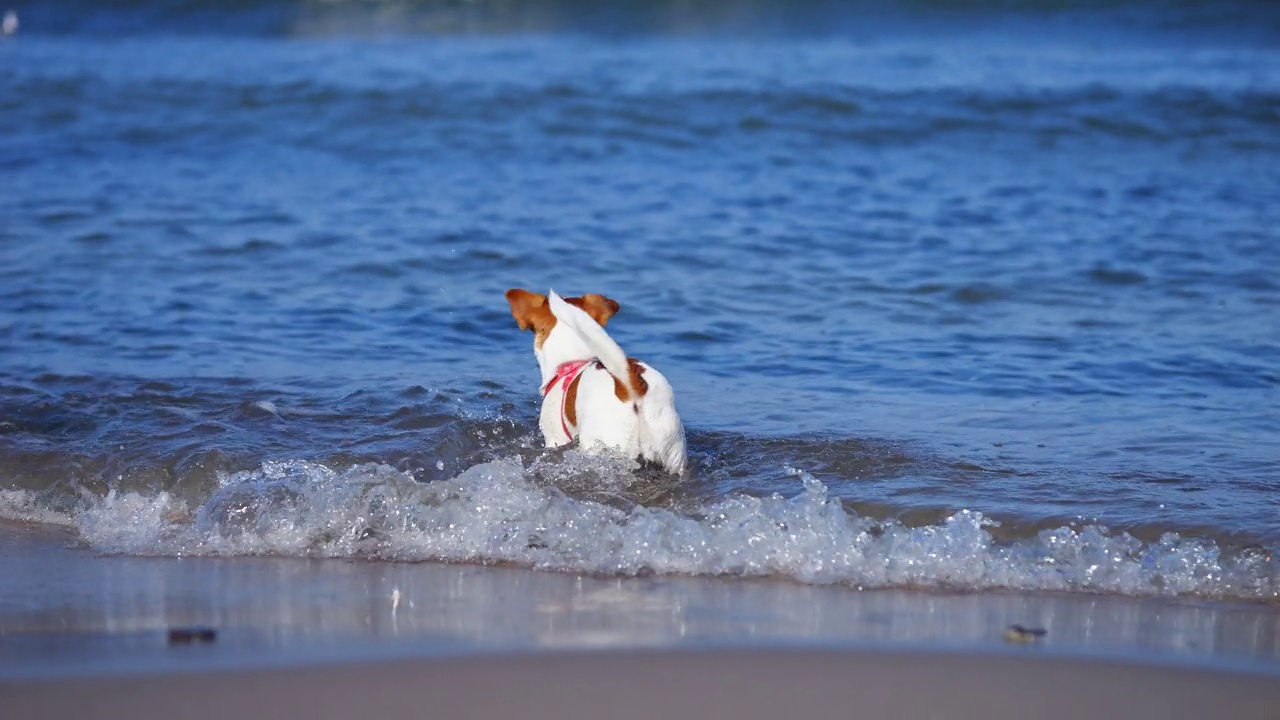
(67, 612)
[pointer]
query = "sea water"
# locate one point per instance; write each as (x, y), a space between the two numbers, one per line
(952, 295)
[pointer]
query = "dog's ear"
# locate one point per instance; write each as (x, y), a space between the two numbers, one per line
(599, 307)
(524, 306)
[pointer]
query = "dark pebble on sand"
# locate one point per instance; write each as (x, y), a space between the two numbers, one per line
(1019, 634)
(192, 635)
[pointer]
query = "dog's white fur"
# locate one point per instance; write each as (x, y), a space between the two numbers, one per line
(646, 426)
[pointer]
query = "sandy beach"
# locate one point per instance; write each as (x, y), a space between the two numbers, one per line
(648, 684)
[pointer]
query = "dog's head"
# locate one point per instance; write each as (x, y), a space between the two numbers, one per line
(531, 311)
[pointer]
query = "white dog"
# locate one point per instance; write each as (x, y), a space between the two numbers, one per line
(591, 390)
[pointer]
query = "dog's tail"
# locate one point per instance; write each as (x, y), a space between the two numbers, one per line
(625, 373)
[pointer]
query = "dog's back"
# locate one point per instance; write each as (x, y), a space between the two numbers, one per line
(621, 402)
(648, 427)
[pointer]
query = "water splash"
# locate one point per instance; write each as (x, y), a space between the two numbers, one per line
(576, 513)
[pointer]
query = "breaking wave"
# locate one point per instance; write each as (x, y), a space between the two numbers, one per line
(578, 514)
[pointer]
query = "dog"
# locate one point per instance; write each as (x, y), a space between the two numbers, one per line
(591, 390)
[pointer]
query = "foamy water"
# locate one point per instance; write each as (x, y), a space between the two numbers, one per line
(506, 512)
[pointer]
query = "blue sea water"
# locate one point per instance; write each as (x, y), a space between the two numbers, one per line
(952, 295)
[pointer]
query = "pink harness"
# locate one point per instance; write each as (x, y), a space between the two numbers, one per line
(566, 373)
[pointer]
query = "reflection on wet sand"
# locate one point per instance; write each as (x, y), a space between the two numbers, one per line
(65, 608)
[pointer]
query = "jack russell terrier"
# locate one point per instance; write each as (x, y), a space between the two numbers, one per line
(591, 390)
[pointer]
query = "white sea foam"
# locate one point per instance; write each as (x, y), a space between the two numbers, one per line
(24, 506)
(502, 511)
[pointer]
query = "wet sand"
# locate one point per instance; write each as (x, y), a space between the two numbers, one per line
(649, 684)
(82, 634)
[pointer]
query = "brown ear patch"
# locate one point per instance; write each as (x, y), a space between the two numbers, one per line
(531, 311)
(599, 307)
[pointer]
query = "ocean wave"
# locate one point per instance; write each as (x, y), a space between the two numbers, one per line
(575, 514)
(204, 114)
